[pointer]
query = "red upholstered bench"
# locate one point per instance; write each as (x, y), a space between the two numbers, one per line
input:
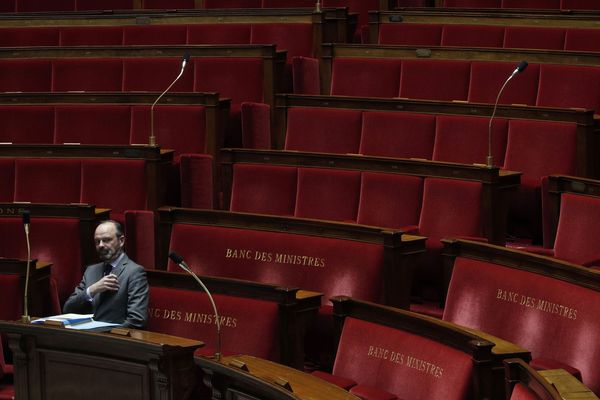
(548, 306)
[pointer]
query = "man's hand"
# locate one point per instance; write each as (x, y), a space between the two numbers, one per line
(109, 282)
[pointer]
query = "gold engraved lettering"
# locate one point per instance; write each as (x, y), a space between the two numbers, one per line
(408, 361)
(209, 319)
(279, 258)
(238, 253)
(424, 366)
(378, 352)
(537, 304)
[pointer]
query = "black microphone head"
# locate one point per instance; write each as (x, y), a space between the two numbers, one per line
(186, 56)
(176, 258)
(26, 217)
(522, 65)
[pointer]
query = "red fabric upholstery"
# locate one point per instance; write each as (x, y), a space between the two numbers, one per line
(524, 37)
(410, 34)
(154, 35)
(464, 139)
(168, 4)
(578, 229)
(580, 5)
(371, 393)
(25, 75)
(297, 39)
(327, 194)
(264, 189)
(340, 381)
(180, 128)
(531, 4)
(305, 75)
(386, 359)
(582, 39)
(326, 265)
(256, 125)
(472, 35)
(82, 5)
(402, 135)
(7, 180)
(196, 180)
(232, 3)
(53, 240)
(435, 79)
(218, 33)
(522, 392)
(325, 130)
(30, 36)
(92, 124)
(91, 36)
(116, 184)
(27, 124)
(523, 308)
(248, 326)
(365, 77)
(472, 3)
(143, 74)
(11, 302)
(287, 3)
(488, 77)
(390, 200)
(139, 231)
(47, 180)
(7, 391)
(569, 86)
(37, 6)
(89, 74)
(240, 79)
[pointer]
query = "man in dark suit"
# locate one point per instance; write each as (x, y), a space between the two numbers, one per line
(115, 290)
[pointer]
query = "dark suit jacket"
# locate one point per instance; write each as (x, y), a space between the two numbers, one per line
(128, 306)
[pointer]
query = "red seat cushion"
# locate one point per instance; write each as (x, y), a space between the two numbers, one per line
(87, 74)
(435, 79)
(365, 77)
(370, 393)
(569, 86)
(342, 382)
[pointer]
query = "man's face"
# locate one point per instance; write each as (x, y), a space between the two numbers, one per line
(108, 245)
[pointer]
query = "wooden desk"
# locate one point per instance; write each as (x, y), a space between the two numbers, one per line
(266, 380)
(57, 363)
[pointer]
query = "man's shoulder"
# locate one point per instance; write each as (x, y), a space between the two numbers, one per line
(131, 265)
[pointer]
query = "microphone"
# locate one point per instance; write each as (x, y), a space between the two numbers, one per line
(177, 259)
(26, 219)
(520, 68)
(152, 138)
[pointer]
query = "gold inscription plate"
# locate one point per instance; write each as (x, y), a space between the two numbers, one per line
(536, 303)
(278, 258)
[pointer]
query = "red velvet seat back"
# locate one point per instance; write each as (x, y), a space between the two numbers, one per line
(180, 128)
(218, 33)
(104, 5)
(578, 229)
(30, 36)
(410, 34)
(326, 265)
(550, 4)
(522, 392)
(402, 135)
(464, 139)
(472, 35)
(435, 79)
(582, 39)
(264, 189)
(7, 180)
(240, 79)
(324, 130)
(551, 318)
(116, 184)
(154, 35)
(390, 200)
(29, 124)
(144, 74)
(402, 363)
(297, 39)
(91, 36)
(524, 37)
(327, 194)
(580, 5)
(488, 77)
(168, 4)
(42, 6)
(47, 180)
(569, 86)
(11, 301)
(87, 74)
(25, 75)
(248, 326)
(365, 77)
(92, 124)
(55, 240)
(473, 3)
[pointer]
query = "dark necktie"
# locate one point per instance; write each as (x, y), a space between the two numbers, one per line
(107, 269)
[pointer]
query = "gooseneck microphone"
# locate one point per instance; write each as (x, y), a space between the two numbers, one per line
(26, 219)
(520, 68)
(152, 138)
(177, 259)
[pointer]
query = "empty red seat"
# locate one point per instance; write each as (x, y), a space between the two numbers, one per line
(543, 4)
(296, 39)
(7, 180)
(472, 35)
(580, 5)
(232, 3)
(525, 37)
(487, 79)
(402, 135)
(365, 77)
(473, 3)
(30, 36)
(87, 74)
(92, 124)
(47, 180)
(144, 74)
(37, 6)
(325, 130)
(168, 4)
(82, 5)
(91, 36)
(25, 75)
(410, 34)
(581, 39)
(569, 86)
(327, 194)
(29, 124)
(196, 181)
(435, 79)
(154, 34)
(218, 33)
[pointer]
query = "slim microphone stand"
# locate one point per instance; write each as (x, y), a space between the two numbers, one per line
(490, 160)
(152, 138)
(25, 317)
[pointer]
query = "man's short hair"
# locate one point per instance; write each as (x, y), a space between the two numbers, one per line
(116, 224)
